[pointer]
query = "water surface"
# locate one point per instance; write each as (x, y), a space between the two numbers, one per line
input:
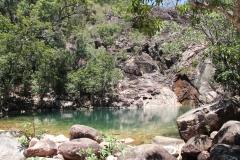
(140, 124)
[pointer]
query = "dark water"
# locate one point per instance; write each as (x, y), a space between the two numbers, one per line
(139, 124)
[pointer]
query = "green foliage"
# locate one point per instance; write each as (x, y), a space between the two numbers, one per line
(142, 20)
(108, 33)
(29, 131)
(195, 63)
(226, 59)
(98, 76)
(182, 40)
(89, 152)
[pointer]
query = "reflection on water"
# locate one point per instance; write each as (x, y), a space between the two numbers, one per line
(140, 124)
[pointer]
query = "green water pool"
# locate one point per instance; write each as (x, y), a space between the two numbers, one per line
(140, 124)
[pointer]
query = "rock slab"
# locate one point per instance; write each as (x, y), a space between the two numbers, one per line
(147, 151)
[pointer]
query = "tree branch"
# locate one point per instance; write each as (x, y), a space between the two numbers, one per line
(233, 17)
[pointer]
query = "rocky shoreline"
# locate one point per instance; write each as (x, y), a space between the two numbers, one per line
(208, 133)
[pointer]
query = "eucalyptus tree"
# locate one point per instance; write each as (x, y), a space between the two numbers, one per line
(228, 8)
(98, 77)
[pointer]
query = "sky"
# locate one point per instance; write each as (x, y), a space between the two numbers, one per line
(169, 4)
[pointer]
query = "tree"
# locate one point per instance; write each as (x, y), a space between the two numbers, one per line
(98, 77)
(228, 8)
(108, 33)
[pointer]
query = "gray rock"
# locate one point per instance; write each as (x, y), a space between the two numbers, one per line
(147, 151)
(10, 149)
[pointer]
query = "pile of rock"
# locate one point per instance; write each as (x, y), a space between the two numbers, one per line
(197, 124)
(60, 147)
(224, 145)
(83, 137)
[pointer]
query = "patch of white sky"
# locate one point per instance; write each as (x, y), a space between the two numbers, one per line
(170, 3)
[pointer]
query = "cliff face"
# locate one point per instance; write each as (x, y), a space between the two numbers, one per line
(153, 76)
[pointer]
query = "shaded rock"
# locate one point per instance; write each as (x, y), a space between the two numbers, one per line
(225, 152)
(228, 134)
(147, 151)
(196, 145)
(69, 149)
(43, 148)
(204, 155)
(132, 68)
(209, 118)
(81, 131)
(186, 92)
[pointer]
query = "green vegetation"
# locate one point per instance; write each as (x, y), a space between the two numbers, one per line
(218, 20)
(29, 131)
(47, 47)
(41, 52)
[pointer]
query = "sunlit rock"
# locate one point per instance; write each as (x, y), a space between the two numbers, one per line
(81, 131)
(33, 142)
(147, 151)
(69, 149)
(43, 148)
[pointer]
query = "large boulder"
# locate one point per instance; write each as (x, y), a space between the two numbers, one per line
(69, 149)
(81, 131)
(43, 148)
(225, 152)
(196, 145)
(228, 134)
(204, 120)
(9, 148)
(147, 151)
